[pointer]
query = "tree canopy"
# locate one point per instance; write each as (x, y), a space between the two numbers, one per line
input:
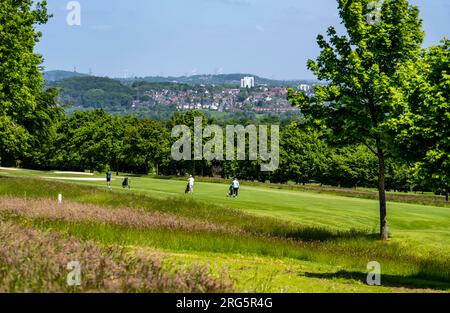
(422, 126)
(26, 111)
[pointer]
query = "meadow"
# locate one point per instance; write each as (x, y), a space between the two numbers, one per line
(266, 240)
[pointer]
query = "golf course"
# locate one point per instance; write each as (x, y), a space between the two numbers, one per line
(269, 239)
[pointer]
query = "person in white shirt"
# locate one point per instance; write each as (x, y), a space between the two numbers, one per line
(235, 187)
(191, 183)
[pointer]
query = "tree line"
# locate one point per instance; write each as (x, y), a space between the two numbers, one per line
(97, 141)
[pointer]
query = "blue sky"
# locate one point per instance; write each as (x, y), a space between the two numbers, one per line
(270, 38)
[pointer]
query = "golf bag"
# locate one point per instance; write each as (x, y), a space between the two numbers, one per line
(126, 183)
(230, 191)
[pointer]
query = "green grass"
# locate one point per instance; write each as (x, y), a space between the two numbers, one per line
(295, 241)
(266, 274)
(423, 198)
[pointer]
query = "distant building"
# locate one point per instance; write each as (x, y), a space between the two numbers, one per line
(248, 82)
(304, 87)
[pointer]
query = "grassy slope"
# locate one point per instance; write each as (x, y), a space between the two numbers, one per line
(410, 224)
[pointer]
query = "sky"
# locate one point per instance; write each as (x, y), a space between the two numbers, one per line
(269, 38)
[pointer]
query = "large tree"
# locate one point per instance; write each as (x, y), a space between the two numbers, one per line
(351, 166)
(146, 145)
(88, 141)
(303, 155)
(356, 99)
(189, 166)
(21, 82)
(423, 127)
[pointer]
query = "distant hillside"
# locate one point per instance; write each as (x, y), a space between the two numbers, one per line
(207, 79)
(222, 79)
(52, 76)
(154, 95)
(93, 92)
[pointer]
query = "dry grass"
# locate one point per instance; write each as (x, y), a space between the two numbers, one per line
(34, 261)
(80, 212)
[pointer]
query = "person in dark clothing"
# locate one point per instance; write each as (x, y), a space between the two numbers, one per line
(230, 190)
(126, 183)
(108, 179)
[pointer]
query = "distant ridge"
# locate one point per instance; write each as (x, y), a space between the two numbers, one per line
(217, 79)
(52, 76)
(207, 79)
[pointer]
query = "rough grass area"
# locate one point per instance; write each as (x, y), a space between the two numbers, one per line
(79, 212)
(36, 261)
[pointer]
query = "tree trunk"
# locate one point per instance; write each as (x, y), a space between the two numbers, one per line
(382, 195)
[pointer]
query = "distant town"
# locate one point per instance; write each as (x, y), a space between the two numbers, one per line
(259, 98)
(221, 93)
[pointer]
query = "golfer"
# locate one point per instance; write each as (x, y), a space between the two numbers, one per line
(108, 179)
(235, 187)
(191, 181)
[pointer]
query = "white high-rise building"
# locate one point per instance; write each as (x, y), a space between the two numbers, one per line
(304, 87)
(248, 82)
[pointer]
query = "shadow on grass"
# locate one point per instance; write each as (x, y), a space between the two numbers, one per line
(409, 282)
(308, 233)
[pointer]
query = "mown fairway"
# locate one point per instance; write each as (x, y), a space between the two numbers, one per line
(267, 239)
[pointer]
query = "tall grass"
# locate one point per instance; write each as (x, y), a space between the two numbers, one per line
(80, 212)
(34, 261)
(350, 254)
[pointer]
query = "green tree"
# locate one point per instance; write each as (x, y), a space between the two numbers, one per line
(423, 128)
(193, 166)
(86, 141)
(117, 156)
(358, 71)
(351, 166)
(42, 125)
(146, 145)
(13, 140)
(400, 176)
(20, 79)
(303, 155)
